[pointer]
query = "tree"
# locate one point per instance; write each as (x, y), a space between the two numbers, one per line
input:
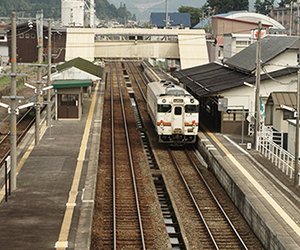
(263, 7)
(194, 12)
(225, 6)
(282, 3)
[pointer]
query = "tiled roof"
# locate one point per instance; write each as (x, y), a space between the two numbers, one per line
(213, 78)
(271, 46)
(283, 98)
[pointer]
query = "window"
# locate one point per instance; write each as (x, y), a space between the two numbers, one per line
(32, 35)
(178, 111)
(164, 108)
(191, 108)
(27, 35)
(68, 100)
(288, 115)
(21, 35)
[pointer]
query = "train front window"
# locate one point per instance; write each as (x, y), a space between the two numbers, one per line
(164, 108)
(191, 108)
(178, 111)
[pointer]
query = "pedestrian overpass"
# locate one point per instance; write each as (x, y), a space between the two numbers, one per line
(187, 45)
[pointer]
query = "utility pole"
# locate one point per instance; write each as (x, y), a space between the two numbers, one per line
(13, 106)
(39, 78)
(257, 87)
(167, 16)
(49, 75)
(296, 176)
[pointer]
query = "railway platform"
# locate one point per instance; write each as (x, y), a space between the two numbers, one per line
(55, 184)
(263, 194)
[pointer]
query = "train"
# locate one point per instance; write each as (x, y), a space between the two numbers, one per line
(174, 113)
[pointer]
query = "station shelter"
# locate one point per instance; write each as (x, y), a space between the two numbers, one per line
(69, 97)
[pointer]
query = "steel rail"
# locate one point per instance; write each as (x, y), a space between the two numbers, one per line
(131, 165)
(194, 200)
(217, 202)
(20, 137)
(143, 79)
(113, 158)
(137, 82)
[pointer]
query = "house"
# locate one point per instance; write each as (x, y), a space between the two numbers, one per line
(4, 58)
(238, 29)
(181, 20)
(279, 108)
(288, 16)
(27, 42)
(291, 137)
(231, 80)
(242, 22)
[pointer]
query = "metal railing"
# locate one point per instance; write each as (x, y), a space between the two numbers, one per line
(274, 152)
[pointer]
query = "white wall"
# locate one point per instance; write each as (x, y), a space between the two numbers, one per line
(73, 73)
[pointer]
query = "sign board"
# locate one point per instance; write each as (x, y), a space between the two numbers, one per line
(222, 104)
(8, 164)
(254, 33)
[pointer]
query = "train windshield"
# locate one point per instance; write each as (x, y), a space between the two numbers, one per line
(191, 108)
(164, 108)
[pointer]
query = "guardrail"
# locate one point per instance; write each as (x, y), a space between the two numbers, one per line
(283, 159)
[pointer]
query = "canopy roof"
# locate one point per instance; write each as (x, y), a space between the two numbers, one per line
(58, 84)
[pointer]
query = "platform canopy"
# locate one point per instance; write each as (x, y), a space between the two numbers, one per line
(58, 84)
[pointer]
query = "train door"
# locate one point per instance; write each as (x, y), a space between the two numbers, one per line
(178, 119)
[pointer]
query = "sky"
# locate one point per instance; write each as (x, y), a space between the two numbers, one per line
(143, 8)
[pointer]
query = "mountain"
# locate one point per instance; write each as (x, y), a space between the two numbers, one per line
(143, 8)
(105, 9)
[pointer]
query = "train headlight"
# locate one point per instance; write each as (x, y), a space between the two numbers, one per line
(164, 100)
(192, 100)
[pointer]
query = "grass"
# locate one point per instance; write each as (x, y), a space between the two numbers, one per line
(5, 80)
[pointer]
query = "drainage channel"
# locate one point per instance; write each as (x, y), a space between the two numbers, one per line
(170, 219)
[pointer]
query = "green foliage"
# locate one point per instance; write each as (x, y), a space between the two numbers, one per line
(5, 80)
(282, 3)
(194, 12)
(263, 7)
(52, 9)
(224, 6)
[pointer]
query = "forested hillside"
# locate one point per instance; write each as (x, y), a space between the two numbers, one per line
(52, 9)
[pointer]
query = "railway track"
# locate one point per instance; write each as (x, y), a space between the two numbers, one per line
(123, 220)
(218, 231)
(24, 123)
(175, 222)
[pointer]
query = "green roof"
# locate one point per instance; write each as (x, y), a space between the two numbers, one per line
(83, 65)
(58, 84)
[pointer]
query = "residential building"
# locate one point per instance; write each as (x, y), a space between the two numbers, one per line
(239, 28)
(288, 16)
(233, 81)
(4, 55)
(27, 42)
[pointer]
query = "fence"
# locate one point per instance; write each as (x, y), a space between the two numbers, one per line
(274, 151)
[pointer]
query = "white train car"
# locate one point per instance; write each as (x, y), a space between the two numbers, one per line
(174, 113)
